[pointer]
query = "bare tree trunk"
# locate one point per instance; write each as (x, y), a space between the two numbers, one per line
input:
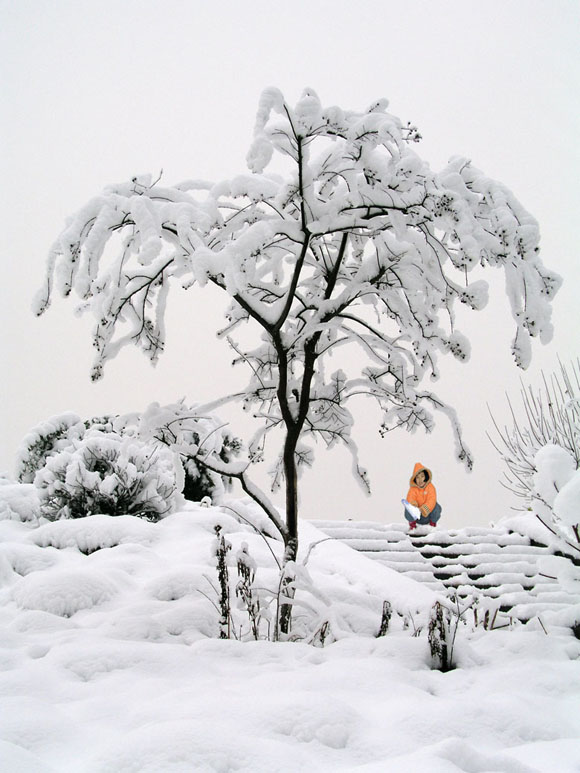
(294, 426)
(291, 539)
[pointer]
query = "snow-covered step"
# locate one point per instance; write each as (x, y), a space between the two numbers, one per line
(403, 560)
(484, 563)
(477, 536)
(461, 549)
(499, 565)
(373, 545)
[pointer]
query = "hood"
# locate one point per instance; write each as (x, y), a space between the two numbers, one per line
(416, 470)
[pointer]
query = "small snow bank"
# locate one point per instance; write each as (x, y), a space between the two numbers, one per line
(453, 755)
(19, 501)
(16, 759)
(95, 532)
(64, 593)
(343, 573)
(529, 525)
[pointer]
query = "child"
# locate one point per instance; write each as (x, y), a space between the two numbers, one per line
(423, 496)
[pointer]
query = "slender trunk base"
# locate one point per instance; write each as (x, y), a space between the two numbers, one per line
(287, 588)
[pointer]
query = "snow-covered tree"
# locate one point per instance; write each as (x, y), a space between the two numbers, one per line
(357, 243)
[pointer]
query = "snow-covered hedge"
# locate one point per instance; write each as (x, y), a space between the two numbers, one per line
(104, 472)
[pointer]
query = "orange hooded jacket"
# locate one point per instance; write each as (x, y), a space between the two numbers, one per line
(424, 497)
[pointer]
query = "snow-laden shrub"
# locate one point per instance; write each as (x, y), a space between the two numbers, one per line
(104, 472)
(542, 454)
(44, 440)
(556, 502)
(551, 417)
(556, 490)
(190, 433)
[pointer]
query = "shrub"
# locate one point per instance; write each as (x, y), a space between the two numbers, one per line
(551, 417)
(188, 432)
(542, 453)
(104, 472)
(44, 440)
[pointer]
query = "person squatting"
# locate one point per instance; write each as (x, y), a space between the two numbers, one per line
(423, 496)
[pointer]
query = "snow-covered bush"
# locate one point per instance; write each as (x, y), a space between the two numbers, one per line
(556, 490)
(104, 472)
(542, 454)
(551, 418)
(191, 434)
(44, 440)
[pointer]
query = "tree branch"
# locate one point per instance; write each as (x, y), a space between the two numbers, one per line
(222, 468)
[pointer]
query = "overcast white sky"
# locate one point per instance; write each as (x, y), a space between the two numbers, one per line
(96, 92)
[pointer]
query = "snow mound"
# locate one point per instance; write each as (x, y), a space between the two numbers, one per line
(63, 593)
(19, 502)
(175, 585)
(566, 502)
(95, 532)
(331, 725)
(176, 746)
(36, 621)
(338, 561)
(455, 755)
(24, 559)
(16, 758)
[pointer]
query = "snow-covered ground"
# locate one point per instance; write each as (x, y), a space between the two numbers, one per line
(110, 662)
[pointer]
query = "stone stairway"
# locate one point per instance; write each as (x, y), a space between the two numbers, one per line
(499, 566)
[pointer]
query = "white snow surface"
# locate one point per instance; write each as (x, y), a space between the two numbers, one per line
(110, 663)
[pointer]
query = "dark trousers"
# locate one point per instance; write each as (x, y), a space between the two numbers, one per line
(433, 516)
